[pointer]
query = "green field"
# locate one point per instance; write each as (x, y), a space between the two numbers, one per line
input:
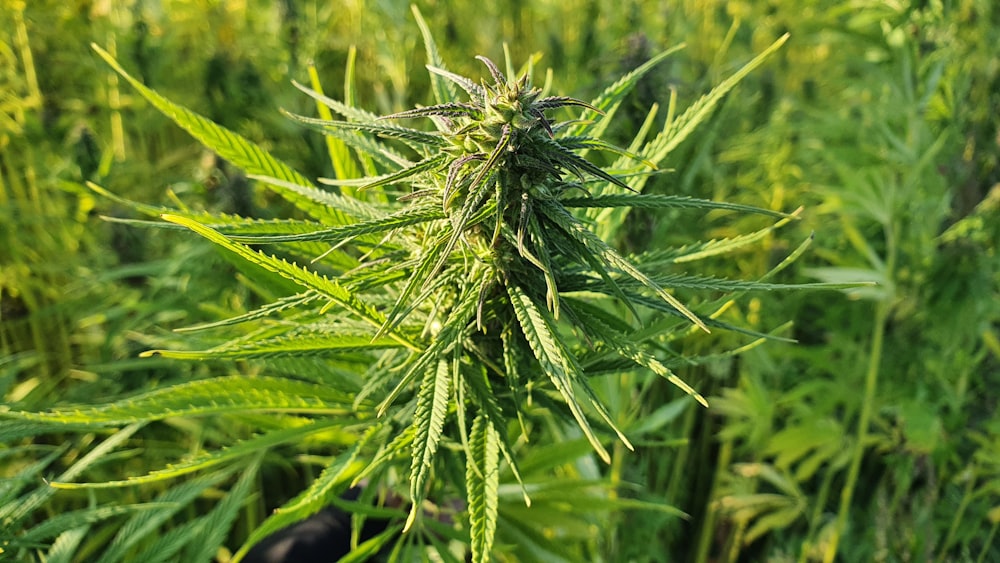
(210, 313)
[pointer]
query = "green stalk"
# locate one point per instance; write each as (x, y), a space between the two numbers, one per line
(988, 543)
(868, 406)
(707, 531)
(970, 484)
(871, 384)
(819, 505)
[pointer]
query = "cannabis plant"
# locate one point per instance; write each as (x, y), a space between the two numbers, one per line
(425, 318)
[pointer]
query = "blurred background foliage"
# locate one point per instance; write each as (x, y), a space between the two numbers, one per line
(874, 438)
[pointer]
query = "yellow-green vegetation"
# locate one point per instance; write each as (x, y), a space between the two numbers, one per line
(509, 299)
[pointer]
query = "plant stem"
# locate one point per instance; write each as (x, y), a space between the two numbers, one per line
(711, 511)
(871, 384)
(988, 543)
(882, 309)
(970, 484)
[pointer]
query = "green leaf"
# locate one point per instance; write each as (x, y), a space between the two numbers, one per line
(319, 494)
(576, 229)
(208, 396)
(345, 109)
(65, 547)
(626, 348)
(413, 137)
(406, 217)
(212, 530)
(349, 205)
(297, 274)
(145, 523)
(553, 358)
(482, 480)
(298, 345)
(273, 308)
(702, 250)
(444, 91)
(677, 130)
(484, 400)
(611, 98)
(15, 511)
(369, 549)
(211, 459)
(431, 255)
(428, 422)
(233, 147)
(656, 201)
(340, 157)
(13, 430)
(429, 164)
(449, 336)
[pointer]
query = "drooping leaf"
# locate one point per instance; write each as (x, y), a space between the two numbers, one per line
(553, 359)
(428, 422)
(607, 254)
(482, 479)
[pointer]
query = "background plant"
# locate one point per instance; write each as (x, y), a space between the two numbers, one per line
(776, 145)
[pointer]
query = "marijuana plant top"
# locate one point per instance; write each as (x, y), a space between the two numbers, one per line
(454, 287)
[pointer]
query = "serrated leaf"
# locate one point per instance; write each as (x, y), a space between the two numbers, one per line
(300, 345)
(428, 422)
(450, 335)
(351, 206)
(625, 347)
(475, 91)
(267, 310)
(143, 524)
(702, 250)
(609, 256)
(413, 137)
(235, 148)
(213, 529)
(429, 164)
(208, 396)
(554, 360)
(13, 430)
(404, 218)
(213, 458)
(612, 96)
(15, 511)
(345, 109)
(295, 273)
(484, 399)
(482, 480)
(317, 495)
(657, 201)
(444, 91)
(679, 129)
(65, 547)
(340, 157)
